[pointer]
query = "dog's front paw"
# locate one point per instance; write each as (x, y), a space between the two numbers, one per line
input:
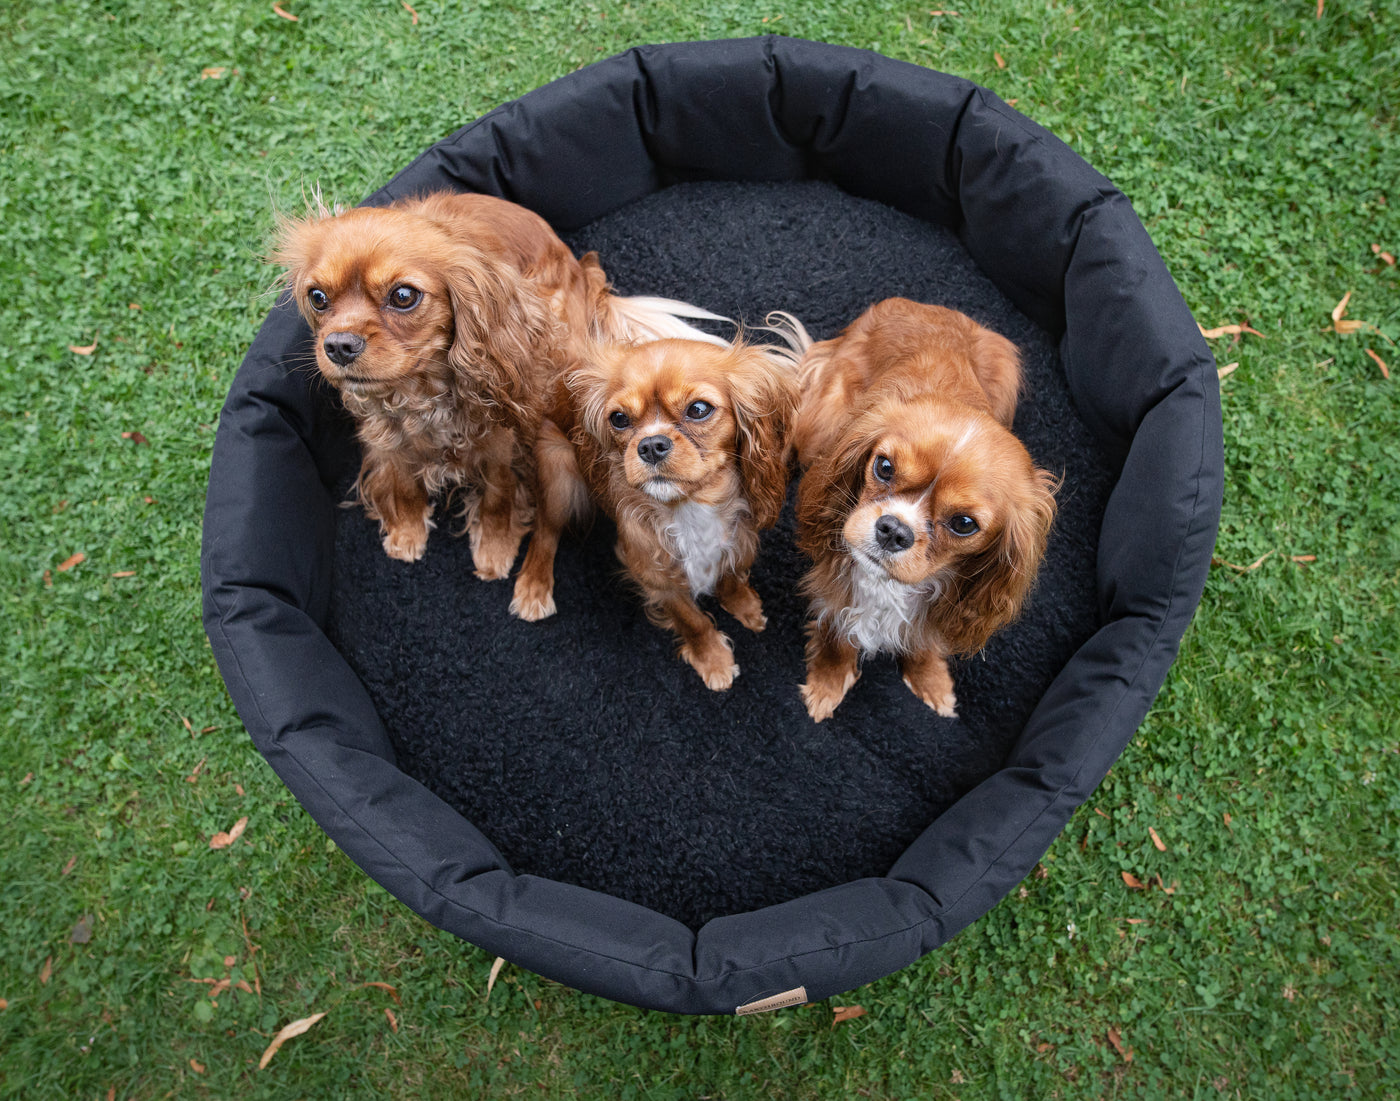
(745, 606)
(494, 550)
(713, 659)
(532, 601)
(928, 678)
(406, 543)
(823, 692)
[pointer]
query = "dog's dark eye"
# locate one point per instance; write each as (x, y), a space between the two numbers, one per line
(883, 469)
(698, 410)
(619, 420)
(318, 299)
(404, 297)
(963, 526)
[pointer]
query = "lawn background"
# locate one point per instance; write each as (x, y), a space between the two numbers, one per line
(144, 148)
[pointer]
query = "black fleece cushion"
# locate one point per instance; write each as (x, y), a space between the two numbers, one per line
(584, 748)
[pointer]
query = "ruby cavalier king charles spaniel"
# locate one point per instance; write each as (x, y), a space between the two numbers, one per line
(683, 444)
(923, 515)
(448, 324)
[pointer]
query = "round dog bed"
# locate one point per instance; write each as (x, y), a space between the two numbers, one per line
(567, 794)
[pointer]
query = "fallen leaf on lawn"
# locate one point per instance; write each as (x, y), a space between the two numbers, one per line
(1100, 813)
(495, 971)
(1346, 326)
(197, 1066)
(1161, 848)
(46, 972)
(194, 775)
(1385, 371)
(1228, 330)
(48, 579)
(393, 1021)
(223, 840)
(846, 1013)
(1228, 369)
(285, 14)
(1302, 558)
(85, 349)
(1167, 890)
(71, 561)
(385, 987)
(1320, 4)
(1136, 921)
(1001, 61)
(4, 1005)
(296, 1028)
(1117, 1041)
(125, 573)
(213, 72)
(135, 437)
(1242, 569)
(242, 984)
(82, 931)
(218, 988)
(413, 13)
(72, 863)
(1376, 250)
(1133, 881)
(1339, 311)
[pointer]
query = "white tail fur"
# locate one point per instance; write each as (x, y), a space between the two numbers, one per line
(644, 317)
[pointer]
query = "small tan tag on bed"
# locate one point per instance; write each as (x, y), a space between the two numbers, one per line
(796, 996)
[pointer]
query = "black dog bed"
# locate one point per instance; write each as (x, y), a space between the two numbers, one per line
(568, 794)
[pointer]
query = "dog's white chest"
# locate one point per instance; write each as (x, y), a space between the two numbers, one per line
(882, 611)
(699, 538)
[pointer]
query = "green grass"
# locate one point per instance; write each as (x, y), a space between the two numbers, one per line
(1258, 142)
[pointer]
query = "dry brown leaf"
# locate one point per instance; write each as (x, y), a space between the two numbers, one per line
(72, 863)
(409, 8)
(1346, 326)
(1100, 813)
(85, 349)
(213, 72)
(393, 1021)
(1242, 569)
(4, 1005)
(135, 437)
(46, 972)
(385, 987)
(48, 579)
(1136, 921)
(1228, 330)
(1302, 558)
(279, 10)
(1339, 311)
(846, 1013)
(1385, 371)
(1228, 369)
(125, 573)
(495, 971)
(1001, 61)
(223, 840)
(1376, 250)
(1116, 1040)
(1161, 848)
(197, 1066)
(71, 561)
(296, 1028)
(1133, 882)
(1320, 3)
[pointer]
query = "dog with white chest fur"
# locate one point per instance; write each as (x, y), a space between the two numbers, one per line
(683, 444)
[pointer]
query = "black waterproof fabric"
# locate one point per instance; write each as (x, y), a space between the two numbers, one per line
(1057, 240)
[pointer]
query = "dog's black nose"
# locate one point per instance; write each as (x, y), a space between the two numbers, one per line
(654, 448)
(343, 348)
(893, 534)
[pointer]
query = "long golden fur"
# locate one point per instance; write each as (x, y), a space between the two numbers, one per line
(923, 515)
(683, 445)
(448, 324)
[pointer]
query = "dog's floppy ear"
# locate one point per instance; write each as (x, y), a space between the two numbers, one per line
(506, 341)
(764, 392)
(831, 486)
(991, 589)
(997, 363)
